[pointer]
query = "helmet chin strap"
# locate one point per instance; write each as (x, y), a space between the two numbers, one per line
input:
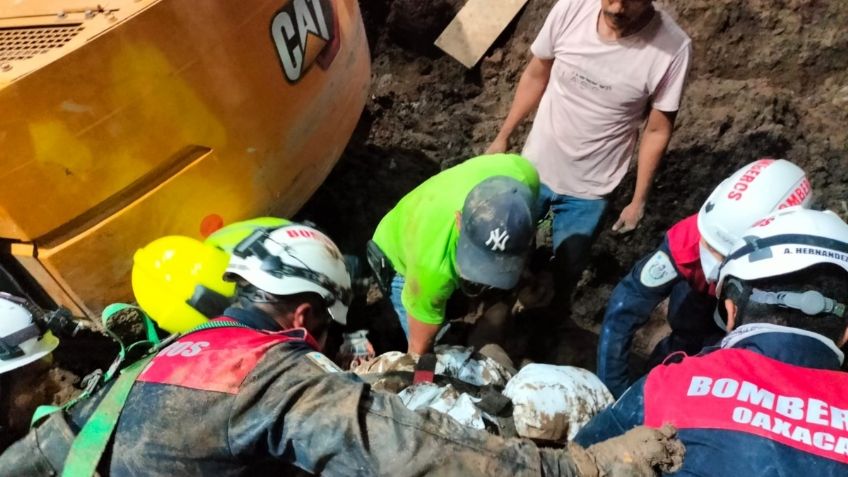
(809, 302)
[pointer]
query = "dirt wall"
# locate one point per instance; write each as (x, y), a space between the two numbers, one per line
(768, 78)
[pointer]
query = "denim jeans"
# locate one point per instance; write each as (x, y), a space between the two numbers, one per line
(575, 221)
(397, 289)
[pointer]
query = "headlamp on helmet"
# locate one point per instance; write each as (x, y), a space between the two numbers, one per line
(294, 259)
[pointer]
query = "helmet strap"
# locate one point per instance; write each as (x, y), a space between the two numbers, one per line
(809, 302)
(8, 351)
(9, 344)
(208, 302)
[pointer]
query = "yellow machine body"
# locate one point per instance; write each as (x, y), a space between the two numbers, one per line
(126, 120)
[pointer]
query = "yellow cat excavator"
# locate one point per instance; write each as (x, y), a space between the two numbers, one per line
(126, 120)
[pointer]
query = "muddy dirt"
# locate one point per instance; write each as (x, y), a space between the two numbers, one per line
(768, 78)
(23, 390)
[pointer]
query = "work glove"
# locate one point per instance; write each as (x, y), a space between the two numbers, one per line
(640, 452)
(355, 349)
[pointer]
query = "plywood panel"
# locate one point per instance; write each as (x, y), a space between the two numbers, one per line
(476, 27)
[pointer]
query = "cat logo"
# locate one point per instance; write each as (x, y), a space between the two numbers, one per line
(305, 31)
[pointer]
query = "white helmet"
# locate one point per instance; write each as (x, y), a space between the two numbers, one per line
(554, 402)
(21, 341)
(750, 193)
(785, 242)
(294, 259)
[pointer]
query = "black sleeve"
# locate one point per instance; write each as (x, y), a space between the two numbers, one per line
(629, 307)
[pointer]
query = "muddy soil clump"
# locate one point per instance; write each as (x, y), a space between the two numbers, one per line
(767, 79)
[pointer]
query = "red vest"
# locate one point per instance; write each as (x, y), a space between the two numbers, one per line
(742, 391)
(683, 238)
(217, 359)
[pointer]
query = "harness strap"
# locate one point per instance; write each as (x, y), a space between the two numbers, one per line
(498, 407)
(94, 380)
(381, 266)
(91, 442)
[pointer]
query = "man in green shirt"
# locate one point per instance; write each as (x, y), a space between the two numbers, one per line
(468, 227)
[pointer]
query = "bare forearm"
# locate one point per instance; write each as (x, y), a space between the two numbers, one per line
(655, 139)
(650, 154)
(528, 94)
(421, 336)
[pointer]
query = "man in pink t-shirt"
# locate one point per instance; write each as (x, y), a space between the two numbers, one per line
(599, 69)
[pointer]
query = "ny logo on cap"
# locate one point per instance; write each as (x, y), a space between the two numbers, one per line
(498, 239)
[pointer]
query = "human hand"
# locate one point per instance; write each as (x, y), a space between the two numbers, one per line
(629, 218)
(640, 452)
(498, 145)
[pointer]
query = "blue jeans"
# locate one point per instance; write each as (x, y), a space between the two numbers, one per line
(397, 288)
(575, 222)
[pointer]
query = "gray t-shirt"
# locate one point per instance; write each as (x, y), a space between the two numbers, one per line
(586, 127)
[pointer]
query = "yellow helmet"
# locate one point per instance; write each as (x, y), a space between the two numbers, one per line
(178, 282)
(226, 238)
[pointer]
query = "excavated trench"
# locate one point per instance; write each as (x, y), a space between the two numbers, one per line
(768, 78)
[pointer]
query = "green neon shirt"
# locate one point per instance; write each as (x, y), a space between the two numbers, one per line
(419, 234)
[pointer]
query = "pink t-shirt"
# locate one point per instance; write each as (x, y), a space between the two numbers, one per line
(586, 127)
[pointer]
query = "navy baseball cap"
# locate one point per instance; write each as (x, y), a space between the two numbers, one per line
(496, 232)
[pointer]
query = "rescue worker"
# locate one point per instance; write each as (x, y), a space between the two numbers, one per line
(27, 379)
(177, 280)
(468, 227)
(250, 394)
(684, 268)
(770, 399)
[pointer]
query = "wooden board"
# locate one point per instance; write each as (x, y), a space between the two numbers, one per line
(476, 27)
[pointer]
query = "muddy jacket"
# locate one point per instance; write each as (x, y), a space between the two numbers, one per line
(770, 403)
(236, 401)
(672, 271)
